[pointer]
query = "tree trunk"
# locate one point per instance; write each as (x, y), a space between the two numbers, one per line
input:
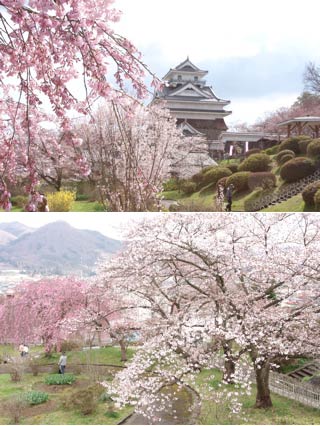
(123, 351)
(229, 370)
(229, 365)
(263, 398)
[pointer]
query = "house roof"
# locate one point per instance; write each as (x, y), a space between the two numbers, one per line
(186, 66)
(306, 119)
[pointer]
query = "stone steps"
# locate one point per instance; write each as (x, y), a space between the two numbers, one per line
(308, 370)
(287, 193)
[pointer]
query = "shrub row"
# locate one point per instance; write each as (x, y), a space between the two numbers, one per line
(297, 144)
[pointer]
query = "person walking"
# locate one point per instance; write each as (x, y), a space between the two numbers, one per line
(62, 363)
(229, 198)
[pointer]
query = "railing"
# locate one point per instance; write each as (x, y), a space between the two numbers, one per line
(294, 389)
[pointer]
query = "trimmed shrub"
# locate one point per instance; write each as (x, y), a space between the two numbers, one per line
(256, 163)
(85, 400)
(317, 200)
(19, 201)
(265, 180)
(207, 169)
(212, 176)
(36, 397)
(303, 145)
(170, 185)
(233, 167)
(283, 153)
(309, 193)
(60, 379)
(293, 143)
(285, 158)
(273, 150)
(61, 201)
(239, 181)
(313, 150)
(297, 169)
(198, 179)
(188, 187)
(253, 151)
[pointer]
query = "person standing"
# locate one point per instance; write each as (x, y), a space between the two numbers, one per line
(25, 350)
(21, 349)
(62, 363)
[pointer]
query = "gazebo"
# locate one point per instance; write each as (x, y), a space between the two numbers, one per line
(299, 124)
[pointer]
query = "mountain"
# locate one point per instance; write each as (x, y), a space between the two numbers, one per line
(58, 248)
(6, 237)
(15, 228)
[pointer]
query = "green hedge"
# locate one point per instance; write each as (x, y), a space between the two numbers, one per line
(239, 181)
(273, 150)
(188, 187)
(233, 167)
(314, 149)
(252, 152)
(303, 145)
(293, 143)
(284, 153)
(309, 193)
(213, 175)
(198, 179)
(285, 158)
(297, 169)
(19, 201)
(256, 163)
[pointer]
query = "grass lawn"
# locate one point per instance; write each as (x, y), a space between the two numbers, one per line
(53, 411)
(78, 206)
(284, 411)
(108, 355)
(87, 206)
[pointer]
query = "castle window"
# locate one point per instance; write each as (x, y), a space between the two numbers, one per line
(179, 77)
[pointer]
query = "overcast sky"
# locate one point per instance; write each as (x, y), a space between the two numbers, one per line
(256, 51)
(113, 225)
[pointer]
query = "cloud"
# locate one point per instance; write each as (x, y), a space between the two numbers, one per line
(253, 49)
